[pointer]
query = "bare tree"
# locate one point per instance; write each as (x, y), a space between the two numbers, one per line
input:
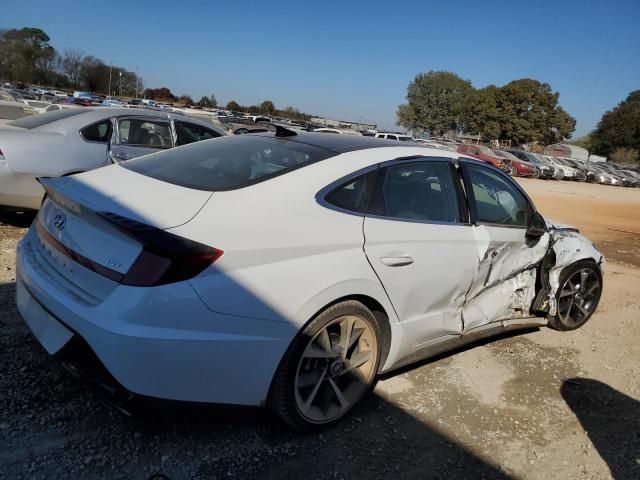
(72, 61)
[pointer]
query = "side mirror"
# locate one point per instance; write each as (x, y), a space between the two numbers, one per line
(537, 226)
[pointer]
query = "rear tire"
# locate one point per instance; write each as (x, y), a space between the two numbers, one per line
(328, 368)
(578, 295)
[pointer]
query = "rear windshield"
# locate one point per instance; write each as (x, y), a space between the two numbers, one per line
(228, 162)
(44, 118)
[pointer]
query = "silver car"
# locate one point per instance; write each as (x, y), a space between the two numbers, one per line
(69, 141)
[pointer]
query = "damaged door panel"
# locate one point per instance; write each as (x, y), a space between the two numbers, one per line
(505, 285)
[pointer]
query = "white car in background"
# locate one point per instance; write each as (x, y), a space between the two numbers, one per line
(289, 270)
(68, 141)
(395, 136)
(569, 172)
(335, 130)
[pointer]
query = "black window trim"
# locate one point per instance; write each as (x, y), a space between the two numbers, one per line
(110, 120)
(471, 199)
(461, 198)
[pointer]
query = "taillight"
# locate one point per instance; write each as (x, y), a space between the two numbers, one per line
(165, 258)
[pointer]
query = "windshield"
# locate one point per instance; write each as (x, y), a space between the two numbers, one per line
(227, 163)
(48, 117)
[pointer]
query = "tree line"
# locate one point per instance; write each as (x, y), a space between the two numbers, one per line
(617, 135)
(27, 57)
(522, 111)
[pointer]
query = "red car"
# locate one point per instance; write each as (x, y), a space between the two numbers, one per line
(482, 153)
(516, 166)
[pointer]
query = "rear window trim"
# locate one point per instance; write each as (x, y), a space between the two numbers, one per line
(264, 178)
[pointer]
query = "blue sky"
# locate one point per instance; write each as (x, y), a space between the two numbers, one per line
(345, 59)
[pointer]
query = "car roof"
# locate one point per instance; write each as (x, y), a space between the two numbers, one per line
(339, 143)
(88, 115)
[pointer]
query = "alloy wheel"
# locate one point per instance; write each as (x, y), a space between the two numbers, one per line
(335, 369)
(579, 296)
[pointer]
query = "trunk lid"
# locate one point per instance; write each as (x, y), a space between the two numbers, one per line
(79, 237)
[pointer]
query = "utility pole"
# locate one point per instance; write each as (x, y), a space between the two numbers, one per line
(136, 81)
(110, 67)
(121, 83)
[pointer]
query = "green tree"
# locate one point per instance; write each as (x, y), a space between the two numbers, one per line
(481, 113)
(213, 101)
(20, 51)
(531, 113)
(233, 106)
(434, 102)
(186, 99)
(267, 107)
(619, 128)
(205, 102)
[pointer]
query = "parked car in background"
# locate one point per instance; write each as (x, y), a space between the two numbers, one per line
(568, 173)
(483, 153)
(517, 166)
(75, 140)
(335, 130)
(395, 136)
(10, 110)
(578, 173)
(545, 171)
(185, 274)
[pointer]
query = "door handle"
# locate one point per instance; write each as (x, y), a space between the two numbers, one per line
(397, 261)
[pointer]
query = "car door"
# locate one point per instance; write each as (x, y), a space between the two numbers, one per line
(420, 245)
(505, 285)
(137, 136)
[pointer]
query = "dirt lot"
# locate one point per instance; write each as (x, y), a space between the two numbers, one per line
(541, 405)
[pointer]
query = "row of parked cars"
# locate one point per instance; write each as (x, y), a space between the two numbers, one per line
(536, 165)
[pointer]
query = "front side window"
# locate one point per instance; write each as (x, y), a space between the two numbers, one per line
(496, 199)
(98, 132)
(189, 133)
(144, 133)
(420, 191)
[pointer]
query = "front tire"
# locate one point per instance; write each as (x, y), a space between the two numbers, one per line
(329, 367)
(578, 295)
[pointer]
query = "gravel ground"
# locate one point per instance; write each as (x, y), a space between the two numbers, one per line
(538, 405)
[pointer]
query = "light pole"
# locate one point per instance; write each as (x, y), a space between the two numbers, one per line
(121, 84)
(110, 67)
(136, 81)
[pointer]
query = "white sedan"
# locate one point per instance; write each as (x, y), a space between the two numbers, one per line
(289, 270)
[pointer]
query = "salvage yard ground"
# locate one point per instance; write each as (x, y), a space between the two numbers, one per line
(540, 405)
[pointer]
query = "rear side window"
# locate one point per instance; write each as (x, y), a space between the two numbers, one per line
(189, 133)
(229, 162)
(98, 132)
(420, 191)
(354, 194)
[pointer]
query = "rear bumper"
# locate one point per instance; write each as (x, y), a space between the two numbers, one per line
(18, 191)
(160, 342)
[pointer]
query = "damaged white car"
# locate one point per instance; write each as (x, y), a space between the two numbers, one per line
(289, 270)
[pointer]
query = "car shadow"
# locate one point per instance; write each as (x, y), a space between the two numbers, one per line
(54, 427)
(611, 419)
(17, 219)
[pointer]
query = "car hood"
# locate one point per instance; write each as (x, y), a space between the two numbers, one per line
(555, 225)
